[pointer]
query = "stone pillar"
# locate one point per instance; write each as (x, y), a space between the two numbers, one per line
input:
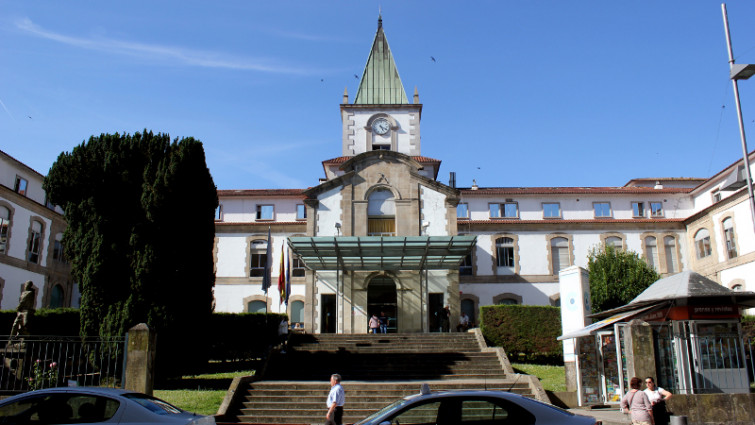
(638, 340)
(574, 286)
(140, 359)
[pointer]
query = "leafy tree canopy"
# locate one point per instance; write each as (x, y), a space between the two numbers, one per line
(617, 277)
(140, 212)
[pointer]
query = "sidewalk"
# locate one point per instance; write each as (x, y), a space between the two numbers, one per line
(609, 416)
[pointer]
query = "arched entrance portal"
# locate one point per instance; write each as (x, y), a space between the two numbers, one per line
(381, 297)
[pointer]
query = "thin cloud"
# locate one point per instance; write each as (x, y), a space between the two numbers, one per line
(186, 56)
(6, 110)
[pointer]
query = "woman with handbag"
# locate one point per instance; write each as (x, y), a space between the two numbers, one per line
(638, 405)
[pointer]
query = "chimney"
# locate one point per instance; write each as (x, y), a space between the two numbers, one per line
(452, 179)
(658, 185)
(474, 184)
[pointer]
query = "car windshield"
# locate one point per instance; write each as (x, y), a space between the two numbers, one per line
(395, 406)
(154, 405)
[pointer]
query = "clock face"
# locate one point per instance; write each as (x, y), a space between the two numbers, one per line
(381, 126)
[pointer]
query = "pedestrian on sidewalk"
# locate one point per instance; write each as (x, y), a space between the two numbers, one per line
(657, 397)
(638, 405)
(336, 400)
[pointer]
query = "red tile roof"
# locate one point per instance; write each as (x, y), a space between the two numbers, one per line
(297, 193)
(557, 221)
(487, 191)
(342, 159)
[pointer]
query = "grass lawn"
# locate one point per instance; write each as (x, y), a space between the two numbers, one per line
(201, 393)
(551, 377)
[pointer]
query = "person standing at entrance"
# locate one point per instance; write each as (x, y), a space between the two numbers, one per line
(335, 402)
(374, 324)
(383, 319)
(657, 397)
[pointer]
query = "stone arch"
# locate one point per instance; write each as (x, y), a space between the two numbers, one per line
(475, 300)
(604, 237)
(737, 285)
(247, 300)
(289, 308)
(507, 296)
(382, 186)
(549, 246)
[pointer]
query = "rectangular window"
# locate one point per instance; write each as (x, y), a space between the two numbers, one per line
(35, 242)
(602, 209)
(465, 268)
(731, 246)
(462, 211)
(301, 212)
(656, 209)
(504, 210)
(57, 252)
(20, 186)
(551, 210)
(4, 226)
(716, 196)
(297, 268)
(638, 209)
(258, 254)
(219, 212)
(669, 243)
(265, 212)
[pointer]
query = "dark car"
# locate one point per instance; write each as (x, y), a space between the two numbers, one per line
(472, 408)
(93, 405)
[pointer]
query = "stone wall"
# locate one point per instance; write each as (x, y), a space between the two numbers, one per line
(709, 409)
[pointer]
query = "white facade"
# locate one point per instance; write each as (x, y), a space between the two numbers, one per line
(30, 235)
(525, 236)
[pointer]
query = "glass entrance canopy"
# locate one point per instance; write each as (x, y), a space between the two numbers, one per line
(382, 252)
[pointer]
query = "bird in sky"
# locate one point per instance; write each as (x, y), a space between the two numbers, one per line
(356, 76)
(432, 59)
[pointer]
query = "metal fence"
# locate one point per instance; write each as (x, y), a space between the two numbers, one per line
(35, 362)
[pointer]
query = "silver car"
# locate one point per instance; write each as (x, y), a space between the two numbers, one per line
(472, 408)
(93, 405)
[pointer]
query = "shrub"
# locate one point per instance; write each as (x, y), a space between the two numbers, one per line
(527, 333)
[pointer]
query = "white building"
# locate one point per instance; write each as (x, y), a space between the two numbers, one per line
(382, 187)
(31, 230)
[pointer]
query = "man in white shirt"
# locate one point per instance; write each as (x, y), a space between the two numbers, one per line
(336, 399)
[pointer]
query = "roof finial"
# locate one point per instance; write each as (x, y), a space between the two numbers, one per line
(380, 16)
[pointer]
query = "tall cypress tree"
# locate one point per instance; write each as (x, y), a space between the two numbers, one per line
(140, 212)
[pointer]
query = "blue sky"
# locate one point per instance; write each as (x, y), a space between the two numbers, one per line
(535, 93)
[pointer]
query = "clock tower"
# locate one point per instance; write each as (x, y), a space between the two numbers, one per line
(381, 118)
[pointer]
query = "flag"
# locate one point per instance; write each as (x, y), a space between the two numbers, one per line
(266, 279)
(288, 278)
(282, 275)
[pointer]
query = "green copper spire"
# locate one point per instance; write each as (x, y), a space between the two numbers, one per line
(380, 84)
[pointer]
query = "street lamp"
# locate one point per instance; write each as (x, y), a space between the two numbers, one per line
(740, 72)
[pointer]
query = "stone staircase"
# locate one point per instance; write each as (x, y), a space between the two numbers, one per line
(376, 370)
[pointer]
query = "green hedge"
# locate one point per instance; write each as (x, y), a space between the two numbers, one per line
(241, 336)
(527, 333)
(46, 321)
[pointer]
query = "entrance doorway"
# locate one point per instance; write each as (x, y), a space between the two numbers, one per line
(381, 298)
(434, 311)
(328, 314)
